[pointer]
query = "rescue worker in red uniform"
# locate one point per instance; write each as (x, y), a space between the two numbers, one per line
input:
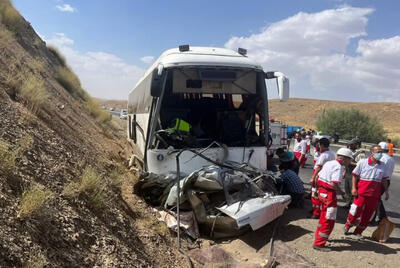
(325, 155)
(329, 179)
(300, 149)
(369, 178)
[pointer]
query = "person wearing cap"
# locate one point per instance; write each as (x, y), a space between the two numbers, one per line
(329, 180)
(369, 177)
(288, 157)
(300, 149)
(280, 152)
(389, 166)
(325, 156)
(358, 154)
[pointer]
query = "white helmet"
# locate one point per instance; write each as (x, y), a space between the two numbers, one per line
(384, 145)
(345, 152)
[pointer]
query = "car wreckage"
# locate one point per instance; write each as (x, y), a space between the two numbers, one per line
(199, 120)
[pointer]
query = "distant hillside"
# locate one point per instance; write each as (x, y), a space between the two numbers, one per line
(118, 104)
(303, 112)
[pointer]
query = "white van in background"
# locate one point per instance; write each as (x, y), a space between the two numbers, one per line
(123, 114)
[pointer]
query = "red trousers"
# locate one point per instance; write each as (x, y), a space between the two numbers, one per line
(303, 161)
(363, 207)
(328, 201)
(316, 211)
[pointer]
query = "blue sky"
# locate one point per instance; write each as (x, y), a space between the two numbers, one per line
(351, 47)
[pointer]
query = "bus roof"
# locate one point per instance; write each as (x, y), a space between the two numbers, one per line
(213, 56)
(139, 98)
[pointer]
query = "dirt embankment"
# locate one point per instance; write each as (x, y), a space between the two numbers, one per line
(65, 194)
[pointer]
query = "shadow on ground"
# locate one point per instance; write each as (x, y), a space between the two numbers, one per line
(361, 245)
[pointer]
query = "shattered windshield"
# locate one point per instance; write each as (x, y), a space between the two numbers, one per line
(227, 111)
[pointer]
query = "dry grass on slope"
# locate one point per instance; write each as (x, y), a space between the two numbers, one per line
(99, 114)
(92, 185)
(70, 82)
(71, 231)
(33, 200)
(7, 157)
(9, 153)
(24, 80)
(33, 91)
(36, 260)
(23, 75)
(68, 79)
(6, 38)
(58, 55)
(10, 16)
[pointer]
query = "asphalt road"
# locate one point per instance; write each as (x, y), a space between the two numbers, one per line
(392, 205)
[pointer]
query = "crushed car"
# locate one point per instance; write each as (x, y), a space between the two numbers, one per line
(225, 201)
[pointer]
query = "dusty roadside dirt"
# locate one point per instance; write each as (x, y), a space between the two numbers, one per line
(296, 231)
(347, 251)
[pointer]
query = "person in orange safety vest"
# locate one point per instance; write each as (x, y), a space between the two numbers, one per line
(391, 146)
(329, 179)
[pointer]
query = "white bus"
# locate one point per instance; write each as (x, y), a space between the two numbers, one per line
(212, 96)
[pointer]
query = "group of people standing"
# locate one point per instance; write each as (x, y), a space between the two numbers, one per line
(366, 179)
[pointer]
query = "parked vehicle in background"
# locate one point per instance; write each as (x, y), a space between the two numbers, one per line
(291, 130)
(279, 136)
(319, 136)
(112, 109)
(123, 114)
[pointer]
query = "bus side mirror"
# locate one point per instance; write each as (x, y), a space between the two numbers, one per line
(282, 83)
(283, 87)
(160, 69)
